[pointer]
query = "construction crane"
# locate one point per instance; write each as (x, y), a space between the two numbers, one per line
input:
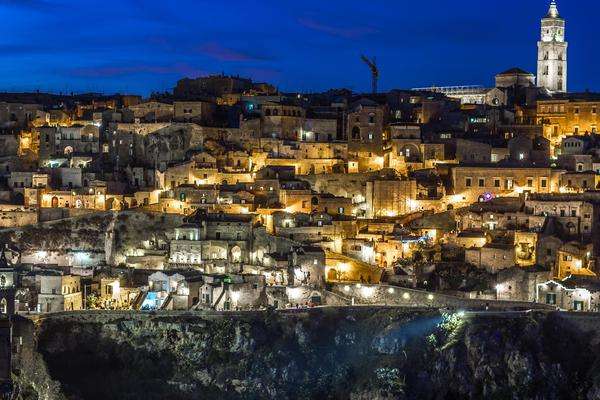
(372, 64)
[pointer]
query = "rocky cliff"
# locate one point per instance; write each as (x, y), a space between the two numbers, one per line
(330, 353)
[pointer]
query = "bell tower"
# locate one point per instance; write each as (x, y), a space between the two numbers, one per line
(552, 52)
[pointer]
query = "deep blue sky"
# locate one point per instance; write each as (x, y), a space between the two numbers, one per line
(138, 46)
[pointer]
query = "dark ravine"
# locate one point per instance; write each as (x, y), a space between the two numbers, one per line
(330, 353)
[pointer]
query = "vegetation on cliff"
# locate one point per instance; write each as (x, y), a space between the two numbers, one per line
(359, 353)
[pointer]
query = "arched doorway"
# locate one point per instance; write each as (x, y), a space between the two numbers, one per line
(332, 275)
(19, 198)
(236, 254)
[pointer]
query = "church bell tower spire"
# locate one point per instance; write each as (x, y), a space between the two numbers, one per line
(552, 52)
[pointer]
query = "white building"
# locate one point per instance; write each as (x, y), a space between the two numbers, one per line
(59, 293)
(552, 52)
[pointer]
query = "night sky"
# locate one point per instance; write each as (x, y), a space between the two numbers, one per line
(138, 46)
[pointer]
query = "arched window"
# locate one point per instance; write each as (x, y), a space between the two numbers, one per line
(3, 306)
(356, 133)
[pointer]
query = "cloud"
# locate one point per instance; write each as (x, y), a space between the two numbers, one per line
(222, 53)
(346, 33)
(114, 71)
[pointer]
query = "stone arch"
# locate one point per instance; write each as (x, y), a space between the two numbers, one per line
(410, 151)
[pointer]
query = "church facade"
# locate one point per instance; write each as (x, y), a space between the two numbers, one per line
(552, 52)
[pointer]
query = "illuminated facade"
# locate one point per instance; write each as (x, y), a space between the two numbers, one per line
(563, 117)
(552, 52)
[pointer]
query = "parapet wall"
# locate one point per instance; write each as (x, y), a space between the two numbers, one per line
(404, 297)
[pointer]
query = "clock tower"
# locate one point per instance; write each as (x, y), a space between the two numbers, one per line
(552, 52)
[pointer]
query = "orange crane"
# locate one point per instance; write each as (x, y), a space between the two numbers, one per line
(372, 64)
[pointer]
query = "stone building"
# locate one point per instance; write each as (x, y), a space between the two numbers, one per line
(390, 197)
(476, 182)
(200, 112)
(365, 128)
(65, 142)
(59, 292)
(151, 111)
(520, 284)
(17, 115)
(571, 294)
(573, 214)
(8, 286)
(574, 259)
(567, 115)
(213, 242)
(515, 77)
(492, 257)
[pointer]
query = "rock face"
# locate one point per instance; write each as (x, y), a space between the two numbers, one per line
(330, 353)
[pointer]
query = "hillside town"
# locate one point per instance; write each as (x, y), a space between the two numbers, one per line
(229, 194)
